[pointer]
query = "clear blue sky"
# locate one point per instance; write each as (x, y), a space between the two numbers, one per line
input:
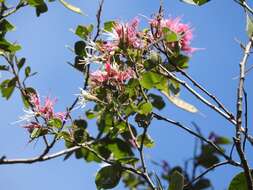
(43, 39)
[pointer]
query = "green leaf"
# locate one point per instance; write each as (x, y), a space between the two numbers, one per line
(222, 140)
(8, 47)
(157, 101)
(195, 2)
(42, 8)
(5, 26)
(80, 123)
(147, 141)
(4, 68)
(145, 108)
(239, 182)
(71, 7)
(153, 80)
(202, 184)
(208, 156)
(7, 87)
(55, 122)
(105, 122)
(109, 25)
(108, 177)
(90, 114)
(37, 132)
(176, 181)
(65, 135)
(249, 26)
(35, 3)
(119, 148)
(84, 31)
(21, 63)
(27, 71)
(170, 36)
(80, 49)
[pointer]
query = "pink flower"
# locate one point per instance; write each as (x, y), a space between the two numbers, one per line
(32, 126)
(111, 74)
(181, 29)
(46, 110)
(125, 34)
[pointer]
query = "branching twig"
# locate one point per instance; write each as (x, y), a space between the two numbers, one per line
(205, 172)
(220, 151)
(239, 111)
(196, 94)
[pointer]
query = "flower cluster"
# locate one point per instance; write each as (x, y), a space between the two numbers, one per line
(45, 111)
(124, 34)
(175, 25)
(125, 50)
(111, 74)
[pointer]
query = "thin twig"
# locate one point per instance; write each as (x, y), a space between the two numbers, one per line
(220, 151)
(196, 94)
(205, 172)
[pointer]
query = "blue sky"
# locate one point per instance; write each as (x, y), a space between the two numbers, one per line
(44, 39)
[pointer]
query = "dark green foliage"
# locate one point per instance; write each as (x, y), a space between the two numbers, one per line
(108, 177)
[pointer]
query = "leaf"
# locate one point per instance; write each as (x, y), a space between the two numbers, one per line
(222, 140)
(21, 63)
(176, 181)
(84, 31)
(153, 80)
(109, 25)
(35, 3)
(249, 26)
(42, 8)
(71, 7)
(119, 148)
(157, 101)
(195, 2)
(37, 132)
(4, 68)
(80, 123)
(202, 184)
(90, 114)
(180, 103)
(80, 48)
(147, 141)
(8, 47)
(5, 27)
(145, 108)
(27, 71)
(7, 87)
(239, 182)
(55, 122)
(170, 36)
(108, 177)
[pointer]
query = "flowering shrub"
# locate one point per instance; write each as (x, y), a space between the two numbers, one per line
(129, 74)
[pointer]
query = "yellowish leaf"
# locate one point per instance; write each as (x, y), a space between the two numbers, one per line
(180, 103)
(71, 7)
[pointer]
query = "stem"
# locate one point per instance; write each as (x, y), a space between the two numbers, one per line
(220, 151)
(196, 94)
(205, 172)
(239, 111)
